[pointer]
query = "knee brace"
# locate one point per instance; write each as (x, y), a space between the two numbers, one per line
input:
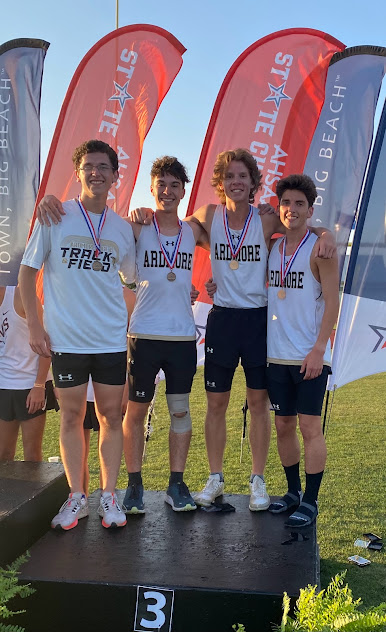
(179, 404)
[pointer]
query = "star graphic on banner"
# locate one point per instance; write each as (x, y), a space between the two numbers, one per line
(377, 330)
(121, 94)
(277, 94)
(200, 334)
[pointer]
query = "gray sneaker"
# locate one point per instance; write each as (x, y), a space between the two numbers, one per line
(259, 500)
(178, 496)
(214, 487)
(72, 510)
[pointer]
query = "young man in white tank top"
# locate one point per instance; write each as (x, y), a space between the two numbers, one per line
(303, 302)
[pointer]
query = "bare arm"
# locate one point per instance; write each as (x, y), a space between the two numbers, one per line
(325, 270)
(37, 396)
(39, 339)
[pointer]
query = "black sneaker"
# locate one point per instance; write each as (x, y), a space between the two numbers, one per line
(133, 501)
(178, 496)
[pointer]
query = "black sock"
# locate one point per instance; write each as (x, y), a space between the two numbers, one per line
(176, 477)
(312, 487)
(135, 478)
(293, 478)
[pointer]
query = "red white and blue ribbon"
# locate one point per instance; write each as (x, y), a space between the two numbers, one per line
(95, 236)
(286, 267)
(235, 251)
(169, 260)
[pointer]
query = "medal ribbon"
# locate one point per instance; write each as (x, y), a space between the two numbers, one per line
(285, 268)
(235, 251)
(169, 260)
(94, 235)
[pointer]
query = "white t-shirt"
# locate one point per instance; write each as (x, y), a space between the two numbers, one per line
(163, 308)
(84, 308)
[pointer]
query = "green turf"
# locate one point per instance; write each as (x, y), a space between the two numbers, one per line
(353, 493)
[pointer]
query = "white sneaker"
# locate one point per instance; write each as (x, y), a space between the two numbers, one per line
(213, 488)
(259, 498)
(71, 511)
(110, 511)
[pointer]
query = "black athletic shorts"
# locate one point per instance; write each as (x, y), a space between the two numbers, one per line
(90, 421)
(233, 336)
(290, 394)
(13, 403)
(73, 369)
(177, 358)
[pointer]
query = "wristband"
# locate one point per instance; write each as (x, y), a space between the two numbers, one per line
(39, 385)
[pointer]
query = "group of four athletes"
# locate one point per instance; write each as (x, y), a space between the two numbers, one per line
(86, 322)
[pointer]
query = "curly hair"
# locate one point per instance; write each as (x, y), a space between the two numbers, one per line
(92, 147)
(297, 182)
(169, 164)
(221, 165)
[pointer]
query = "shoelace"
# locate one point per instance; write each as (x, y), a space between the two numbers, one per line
(258, 484)
(68, 504)
(211, 484)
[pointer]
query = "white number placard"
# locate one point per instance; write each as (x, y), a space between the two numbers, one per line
(154, 609)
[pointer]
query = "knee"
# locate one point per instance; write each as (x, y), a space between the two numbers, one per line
(217, 405)
(180, 419)
(285, 426)
(310, 428)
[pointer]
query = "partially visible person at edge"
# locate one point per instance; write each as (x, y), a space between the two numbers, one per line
(303, 303)
(236, 329)
(162, 332)
(26, 391)
(86, 320)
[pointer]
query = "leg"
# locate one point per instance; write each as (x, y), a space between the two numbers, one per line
(315, 451)
(260, 428)
(86, 472)
(32, 431)
(108, 399)
(288, 444)
(178, 447)
(133, 434)
(215, 429)
(72, 403)
(8, 439)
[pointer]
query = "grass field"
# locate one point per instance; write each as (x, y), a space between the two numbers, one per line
(353, 493)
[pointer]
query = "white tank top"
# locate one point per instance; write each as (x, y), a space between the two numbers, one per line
(294, 322)
(246, 286)
(18, 363)
(162, 308)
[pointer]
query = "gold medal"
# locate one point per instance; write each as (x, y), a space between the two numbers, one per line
(281, 293)
(64, 260)
(234, 264)
(171, 276)
(97, 265)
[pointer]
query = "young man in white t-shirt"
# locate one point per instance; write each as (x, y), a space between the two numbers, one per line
(303, 302)
(85, 322)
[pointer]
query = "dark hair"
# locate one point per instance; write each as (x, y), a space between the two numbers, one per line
(220, 167)
(169, 164)
(298, 182)
(91, 147)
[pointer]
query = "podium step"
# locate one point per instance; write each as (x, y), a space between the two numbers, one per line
(167, 571)
(30, 494)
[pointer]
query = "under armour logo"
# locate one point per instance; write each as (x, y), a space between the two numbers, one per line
(211, 384)
(170, 243)
(130, 361)
(140, 393)
(209, 349)
(66, 378)
(276, 406)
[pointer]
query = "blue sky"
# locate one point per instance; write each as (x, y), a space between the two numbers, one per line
(214, 33)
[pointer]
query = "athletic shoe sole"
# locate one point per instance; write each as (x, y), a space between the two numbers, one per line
(187, 507)
(132, 511)
(261, 507)
(113, 525)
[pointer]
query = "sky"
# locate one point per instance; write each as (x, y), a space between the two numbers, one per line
(214, 33)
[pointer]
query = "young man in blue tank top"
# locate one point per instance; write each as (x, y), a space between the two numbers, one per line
(236, 328)
(303, 302)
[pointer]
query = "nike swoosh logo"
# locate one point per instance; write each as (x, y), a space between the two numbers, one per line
(4, 313)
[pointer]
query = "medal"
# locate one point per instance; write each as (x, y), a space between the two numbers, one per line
(286, 267)
(96, 265)
(235, 251)
(170, 261)
(94, 235)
